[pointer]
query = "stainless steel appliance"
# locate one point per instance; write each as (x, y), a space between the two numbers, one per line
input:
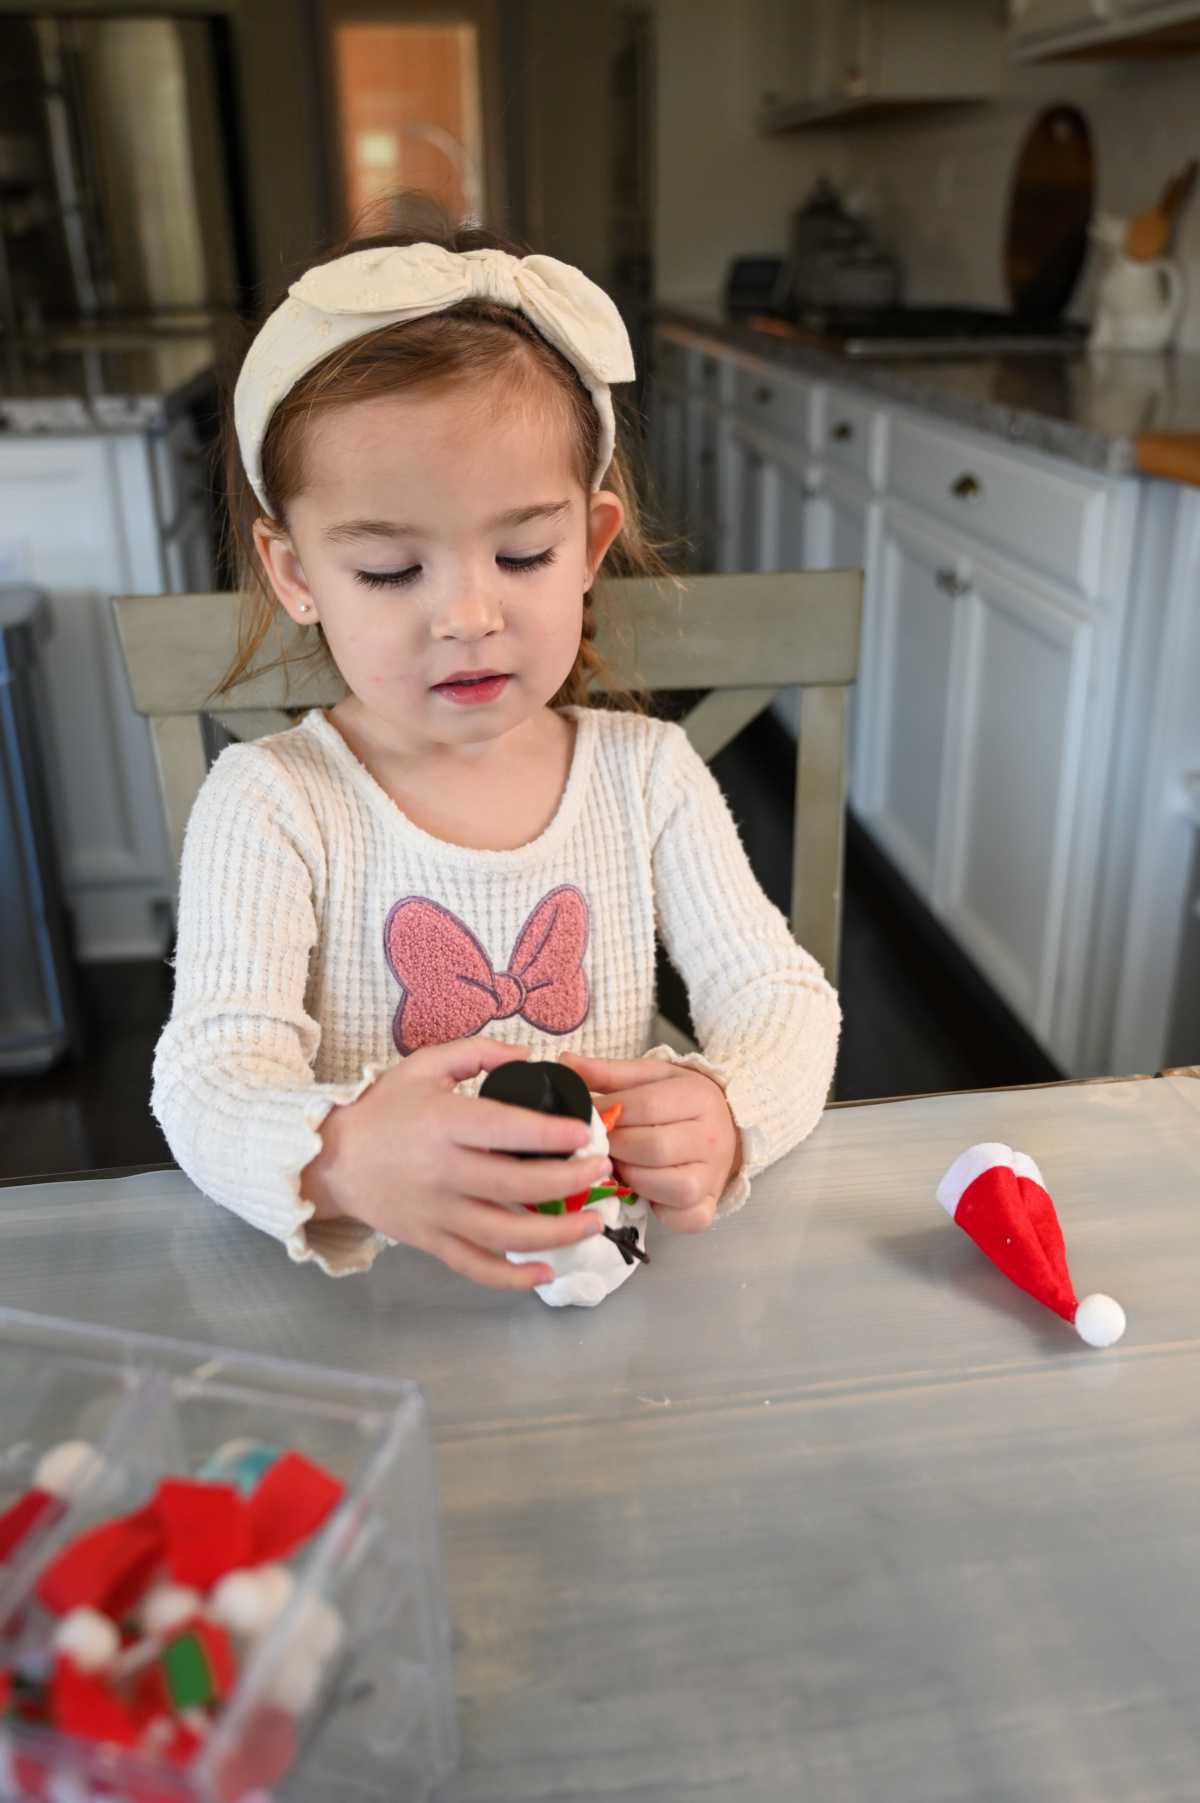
(835, 259)
(119, 188)
(938, 332)
(38, 1013)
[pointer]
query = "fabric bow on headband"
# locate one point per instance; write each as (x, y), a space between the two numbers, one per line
(334, 303)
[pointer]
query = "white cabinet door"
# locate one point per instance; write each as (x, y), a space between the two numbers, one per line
(1016, 721)
(843, 522)
(919, 586)
(746, 495)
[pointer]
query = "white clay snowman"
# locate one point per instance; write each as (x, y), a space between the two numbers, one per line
(590, 1270)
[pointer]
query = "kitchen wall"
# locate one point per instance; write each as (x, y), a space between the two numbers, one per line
(936, 183)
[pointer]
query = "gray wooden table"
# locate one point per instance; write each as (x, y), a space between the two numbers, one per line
(818, 1506)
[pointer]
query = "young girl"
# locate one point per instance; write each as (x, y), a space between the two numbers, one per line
(461, 863)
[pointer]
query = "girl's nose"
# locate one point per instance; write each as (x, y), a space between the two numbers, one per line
(473, 616)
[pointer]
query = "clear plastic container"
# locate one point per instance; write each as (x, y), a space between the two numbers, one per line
(382, 1723)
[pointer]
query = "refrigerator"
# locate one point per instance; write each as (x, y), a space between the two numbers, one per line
(120, 173)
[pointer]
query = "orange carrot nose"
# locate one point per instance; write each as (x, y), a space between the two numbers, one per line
(612, 1115)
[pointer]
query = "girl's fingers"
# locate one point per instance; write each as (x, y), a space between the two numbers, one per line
(673, 1187)
(458, 1060)
(488, 1126)
(486, 1268)
(613, 1074)
(687, 1220)
(511, 1230)
(515, 1180)
(654, 1147)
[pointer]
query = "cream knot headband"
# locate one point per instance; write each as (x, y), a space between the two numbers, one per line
(334, 303)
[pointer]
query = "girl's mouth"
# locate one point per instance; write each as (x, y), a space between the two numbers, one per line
(473, 691)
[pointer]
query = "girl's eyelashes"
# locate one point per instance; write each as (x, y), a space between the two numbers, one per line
(401, 578)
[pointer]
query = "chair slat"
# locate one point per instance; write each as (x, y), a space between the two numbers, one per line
(742, 637)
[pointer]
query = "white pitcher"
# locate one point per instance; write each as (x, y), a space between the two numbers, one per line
(1139, 303)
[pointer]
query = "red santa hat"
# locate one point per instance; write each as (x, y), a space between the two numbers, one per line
(999, 1198)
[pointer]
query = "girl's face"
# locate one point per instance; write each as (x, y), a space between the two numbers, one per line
(437, 538)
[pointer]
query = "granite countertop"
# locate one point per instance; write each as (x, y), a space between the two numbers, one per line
(1092, 410)
(106, 378)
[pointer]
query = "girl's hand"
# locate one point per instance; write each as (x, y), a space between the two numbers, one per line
(676, 1142)
(427, 1166)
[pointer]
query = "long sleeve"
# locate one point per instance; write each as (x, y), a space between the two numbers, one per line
(767, 1021)
(234, 1088)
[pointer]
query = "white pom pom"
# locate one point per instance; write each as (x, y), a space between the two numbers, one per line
(319, 1627)
(88, 1638)
(65, 1469)
(297, 1681)
(1099, 1320)
(167, 1607)
(247, 1602)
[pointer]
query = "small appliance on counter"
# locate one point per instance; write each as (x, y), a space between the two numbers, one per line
(752, 285)
(836, 261)
(841, 287)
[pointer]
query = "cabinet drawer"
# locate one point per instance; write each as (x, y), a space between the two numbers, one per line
(1043, 517)
(852, 433)
(780, 404)
(670, 360)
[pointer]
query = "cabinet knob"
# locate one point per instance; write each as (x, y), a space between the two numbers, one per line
(967, 488)
(843, 431)
(762, 395)
(951, 583)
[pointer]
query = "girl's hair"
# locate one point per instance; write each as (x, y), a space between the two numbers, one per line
(470, 342)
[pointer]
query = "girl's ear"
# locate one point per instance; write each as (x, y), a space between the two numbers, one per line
(606, 516)
(284, 573)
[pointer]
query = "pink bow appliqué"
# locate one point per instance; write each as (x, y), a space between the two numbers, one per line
(450, 988)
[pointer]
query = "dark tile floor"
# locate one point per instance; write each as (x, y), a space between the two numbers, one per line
(916, 1018)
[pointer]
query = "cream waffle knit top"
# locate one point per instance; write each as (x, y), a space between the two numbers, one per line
(323, 935)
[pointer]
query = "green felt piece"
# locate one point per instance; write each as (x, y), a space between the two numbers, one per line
(185, 1669)
(551, 1208)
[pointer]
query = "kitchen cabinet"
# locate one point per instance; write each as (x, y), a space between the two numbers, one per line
(1049, 28)
(822, 59)
(997, 730)
(89, 516)
(843, 524)
(1017, 712)
(917, 585)
(746, 498)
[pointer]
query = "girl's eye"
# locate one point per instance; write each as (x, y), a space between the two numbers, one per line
(399, 578)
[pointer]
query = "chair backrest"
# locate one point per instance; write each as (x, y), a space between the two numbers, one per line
(744, 638)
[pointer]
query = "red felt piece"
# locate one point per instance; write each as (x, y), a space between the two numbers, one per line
(35, 1508)
(85, 1706)
(218, 1650)
(206, 1530)
(5, 1689)
(290, 1502)
(32, 1772)
(575, 1203)
(109, 1567)
(1012, 1220)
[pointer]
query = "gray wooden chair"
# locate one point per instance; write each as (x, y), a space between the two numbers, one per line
(745, 639)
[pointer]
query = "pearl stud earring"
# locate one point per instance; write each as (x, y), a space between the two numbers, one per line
(304, 607)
